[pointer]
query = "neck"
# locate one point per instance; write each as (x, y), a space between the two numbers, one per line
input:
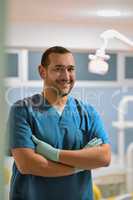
(54, 99)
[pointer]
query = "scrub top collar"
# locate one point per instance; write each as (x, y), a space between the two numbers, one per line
(47, 104)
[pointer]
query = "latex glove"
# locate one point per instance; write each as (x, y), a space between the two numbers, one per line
(46, 149)
(94, 142)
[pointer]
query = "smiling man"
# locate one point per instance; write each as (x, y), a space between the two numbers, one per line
(58, 73)
(59, 165)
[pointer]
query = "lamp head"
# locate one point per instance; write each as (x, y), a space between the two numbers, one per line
(98, 64)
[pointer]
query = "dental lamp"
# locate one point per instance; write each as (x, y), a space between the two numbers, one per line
(98, 62)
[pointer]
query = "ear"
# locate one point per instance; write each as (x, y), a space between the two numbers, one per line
(42, 71)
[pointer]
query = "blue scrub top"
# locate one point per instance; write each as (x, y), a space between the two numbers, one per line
(72, 130)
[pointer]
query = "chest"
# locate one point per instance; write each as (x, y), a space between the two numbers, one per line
(64, 132)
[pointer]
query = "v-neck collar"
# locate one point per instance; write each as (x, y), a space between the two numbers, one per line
(52, 108)
(69, 112)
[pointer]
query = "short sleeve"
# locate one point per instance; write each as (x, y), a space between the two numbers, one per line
(97, 128)
(19, 129)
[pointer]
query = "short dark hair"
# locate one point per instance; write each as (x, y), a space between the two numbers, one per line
(55, 49)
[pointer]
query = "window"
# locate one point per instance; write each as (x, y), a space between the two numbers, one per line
(12, 65)
(83, 74)
(128, 67)
(34, 59)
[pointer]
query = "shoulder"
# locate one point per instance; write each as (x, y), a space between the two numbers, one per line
(26, 103)
(88, 110)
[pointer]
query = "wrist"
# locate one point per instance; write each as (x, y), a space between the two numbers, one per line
(76, 170)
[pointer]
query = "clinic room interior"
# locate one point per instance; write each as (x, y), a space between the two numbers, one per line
(100, 36)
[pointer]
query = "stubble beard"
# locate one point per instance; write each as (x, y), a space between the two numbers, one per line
(62, 93)
(58, 92)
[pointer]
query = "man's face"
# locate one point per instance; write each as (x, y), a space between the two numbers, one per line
(60, 73)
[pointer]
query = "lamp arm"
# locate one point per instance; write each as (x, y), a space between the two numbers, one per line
(110, 34)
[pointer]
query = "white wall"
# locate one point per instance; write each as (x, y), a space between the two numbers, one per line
(74, 36)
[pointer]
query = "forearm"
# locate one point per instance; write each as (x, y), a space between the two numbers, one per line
(52, 169)
(88, 158)
(32, 163)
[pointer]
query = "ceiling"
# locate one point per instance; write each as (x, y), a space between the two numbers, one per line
(70, 11)
(71, 23)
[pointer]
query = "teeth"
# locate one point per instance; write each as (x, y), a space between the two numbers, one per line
(65, 83)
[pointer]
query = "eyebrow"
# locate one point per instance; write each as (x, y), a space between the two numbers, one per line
(65, 66)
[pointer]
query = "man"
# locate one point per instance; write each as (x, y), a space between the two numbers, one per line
(66, 125)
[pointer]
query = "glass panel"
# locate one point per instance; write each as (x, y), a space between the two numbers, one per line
(34, 59)
(129, 67)
(12, 64)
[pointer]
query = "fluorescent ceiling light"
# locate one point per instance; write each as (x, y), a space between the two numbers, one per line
(109, 13)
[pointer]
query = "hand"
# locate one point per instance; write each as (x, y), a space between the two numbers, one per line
(94, 142)
(46, 149)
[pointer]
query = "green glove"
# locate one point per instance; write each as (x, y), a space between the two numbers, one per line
(94, 142)
(46, 150)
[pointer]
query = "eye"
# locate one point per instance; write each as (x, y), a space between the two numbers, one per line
(57, 69)
(71, 68)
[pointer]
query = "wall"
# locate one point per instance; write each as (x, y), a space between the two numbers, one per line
(75, 36)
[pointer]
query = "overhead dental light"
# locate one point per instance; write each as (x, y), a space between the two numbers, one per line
(98, 62)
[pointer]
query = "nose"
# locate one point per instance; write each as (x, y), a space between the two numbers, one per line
(65, 74)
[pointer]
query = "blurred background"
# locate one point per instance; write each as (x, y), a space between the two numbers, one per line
(35, 25)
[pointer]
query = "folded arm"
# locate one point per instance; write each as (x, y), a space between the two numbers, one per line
(29, 162)
(87, 158)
